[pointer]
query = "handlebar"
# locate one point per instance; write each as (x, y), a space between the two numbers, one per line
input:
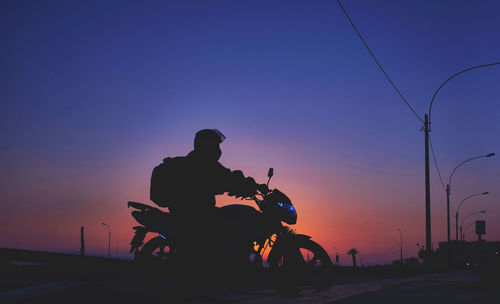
(256, 199)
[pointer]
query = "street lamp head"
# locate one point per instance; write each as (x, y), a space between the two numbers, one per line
(483, 211)
(490, 155)
(484, 193)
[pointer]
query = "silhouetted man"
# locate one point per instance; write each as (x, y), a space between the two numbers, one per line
(195, 180)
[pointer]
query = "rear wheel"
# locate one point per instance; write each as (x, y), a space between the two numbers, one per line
(158, 268)
(158, 253)
(303, 262)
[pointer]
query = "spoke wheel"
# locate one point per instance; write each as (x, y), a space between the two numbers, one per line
(302, 263)
(157, 254)
(315, 265)
(158, 269)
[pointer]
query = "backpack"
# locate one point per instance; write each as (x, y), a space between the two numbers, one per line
(165, 179)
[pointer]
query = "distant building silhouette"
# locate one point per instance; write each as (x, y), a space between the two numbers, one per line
(463, 252)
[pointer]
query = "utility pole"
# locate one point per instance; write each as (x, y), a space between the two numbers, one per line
(427, 130)
(82, 242)
(109, 239)
(427, 187)
(448, 222)
(109, 243)
(448, 211)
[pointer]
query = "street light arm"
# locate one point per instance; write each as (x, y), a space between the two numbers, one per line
(467, 160)
(467, 227)
(473, 213)
(453, 76)
(458, 208)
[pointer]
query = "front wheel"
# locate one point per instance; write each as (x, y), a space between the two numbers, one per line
(300, 262)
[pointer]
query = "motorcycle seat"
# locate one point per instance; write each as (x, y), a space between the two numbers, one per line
(140, 206)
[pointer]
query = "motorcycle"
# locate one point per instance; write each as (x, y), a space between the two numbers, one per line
(294, 260)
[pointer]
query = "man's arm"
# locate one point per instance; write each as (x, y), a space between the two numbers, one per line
(237, 184)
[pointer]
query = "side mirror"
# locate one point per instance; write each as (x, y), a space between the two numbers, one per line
(269, 174)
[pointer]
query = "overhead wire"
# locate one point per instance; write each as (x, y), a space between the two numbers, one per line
(392, 84)
(378, 63)
(400, 94)
(435, 163)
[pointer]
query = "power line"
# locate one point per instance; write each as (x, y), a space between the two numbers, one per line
(378, 63)
(435, 162)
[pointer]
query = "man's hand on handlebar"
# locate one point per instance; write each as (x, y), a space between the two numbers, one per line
(262, 188)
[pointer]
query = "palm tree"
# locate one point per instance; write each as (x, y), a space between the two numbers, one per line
(353, 252)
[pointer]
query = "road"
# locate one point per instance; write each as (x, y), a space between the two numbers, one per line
(458, 287)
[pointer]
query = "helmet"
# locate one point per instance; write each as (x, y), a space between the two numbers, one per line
(208, 137)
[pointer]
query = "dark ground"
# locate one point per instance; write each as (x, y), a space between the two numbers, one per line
(41, 284)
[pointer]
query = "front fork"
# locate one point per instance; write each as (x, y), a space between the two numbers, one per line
(138, 239)
(283, 240)
(286, 246)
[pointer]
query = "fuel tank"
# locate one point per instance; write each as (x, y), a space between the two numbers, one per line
(240, 212)
(245, 222)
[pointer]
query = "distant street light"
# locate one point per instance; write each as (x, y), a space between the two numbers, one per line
(109, 239)
(470, 214)
(458, 208)
(448, 189)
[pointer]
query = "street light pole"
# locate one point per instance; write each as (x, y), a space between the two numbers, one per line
(448, 210)
(448, 189)
(458, 209)
(427, 129)
(462, 224)
(401, 245)
(427, 187)
(109, 239)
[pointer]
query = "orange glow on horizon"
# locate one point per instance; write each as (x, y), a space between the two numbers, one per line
(332, 208)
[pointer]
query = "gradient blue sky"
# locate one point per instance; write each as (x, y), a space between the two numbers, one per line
(95, 93)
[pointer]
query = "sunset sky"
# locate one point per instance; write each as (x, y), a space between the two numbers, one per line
(94, 94)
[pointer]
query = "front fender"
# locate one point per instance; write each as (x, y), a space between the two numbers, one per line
(301, 237)
(287, 242)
